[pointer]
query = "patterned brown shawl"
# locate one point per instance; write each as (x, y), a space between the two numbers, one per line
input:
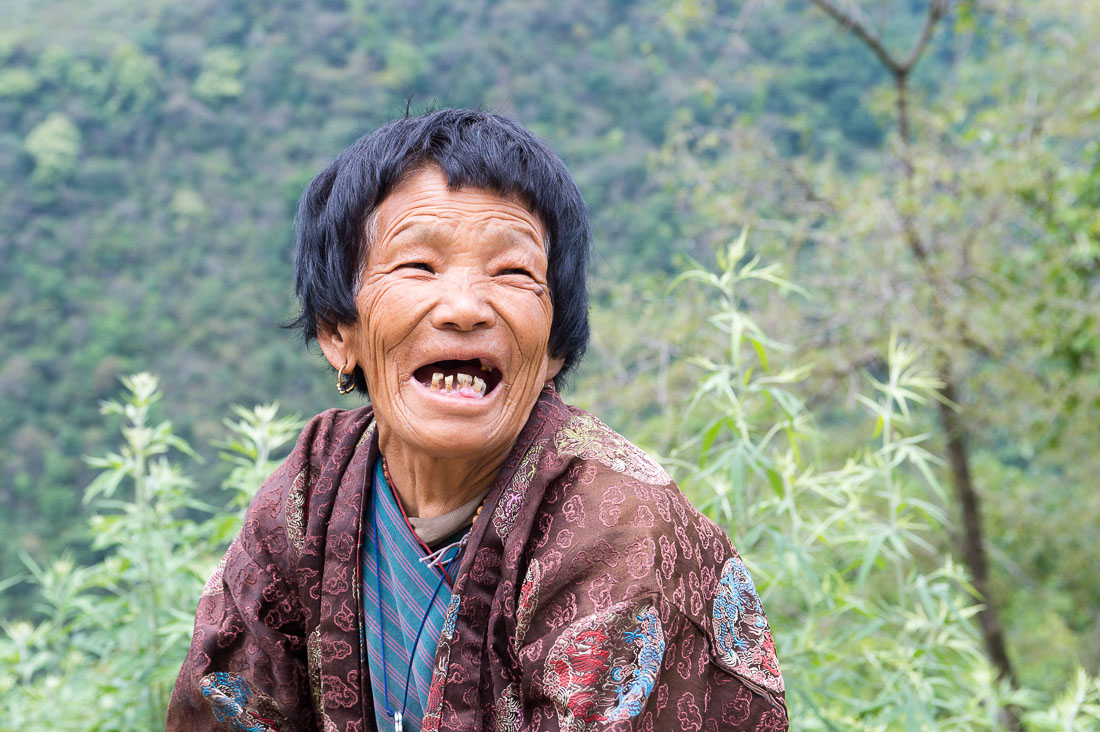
(593, 597)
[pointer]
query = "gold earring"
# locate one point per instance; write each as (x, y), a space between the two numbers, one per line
(344, 387)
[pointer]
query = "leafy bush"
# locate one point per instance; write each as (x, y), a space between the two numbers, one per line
(874, 626)
(55, 146)
(105, 647)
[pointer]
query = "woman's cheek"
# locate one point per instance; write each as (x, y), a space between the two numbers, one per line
(389, 306)
(529, 305)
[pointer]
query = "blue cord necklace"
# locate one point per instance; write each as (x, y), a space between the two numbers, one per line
(398, 717)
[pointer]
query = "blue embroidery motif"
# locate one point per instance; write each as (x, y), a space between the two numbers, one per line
(227, 693)
(649, 639)
(451, 618)
(741, 635)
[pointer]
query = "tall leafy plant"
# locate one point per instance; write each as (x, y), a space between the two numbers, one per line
(874, 625)
(107, 641)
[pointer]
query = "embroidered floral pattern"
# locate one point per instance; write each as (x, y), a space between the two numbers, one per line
(590, 439)
(603, 667)
(576, 666)
(314, 654)
(635, 684)
(433, 711)
(452, 615)
(743, 640)
(368, 434)
(511, 501)
(214, 585)
(313, 661)
(295, 506)
(507, 710)
(528, 598)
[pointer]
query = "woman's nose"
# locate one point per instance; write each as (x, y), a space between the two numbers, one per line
(462, 304)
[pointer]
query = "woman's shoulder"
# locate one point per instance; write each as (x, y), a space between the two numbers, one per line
(615, 528)
(618, 507)
(585, 437)
(285, 505)
(630, 493)
(324, 445)
(332, 432)
(328, 436)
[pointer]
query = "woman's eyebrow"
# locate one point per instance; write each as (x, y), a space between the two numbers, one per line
(421, 230)
(524, 237)
(514, 229)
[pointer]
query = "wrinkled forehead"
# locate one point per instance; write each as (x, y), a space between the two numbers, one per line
(424, 203)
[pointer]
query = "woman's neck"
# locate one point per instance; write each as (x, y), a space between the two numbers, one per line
(432, 486)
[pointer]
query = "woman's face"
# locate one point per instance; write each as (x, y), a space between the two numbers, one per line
(454, 318)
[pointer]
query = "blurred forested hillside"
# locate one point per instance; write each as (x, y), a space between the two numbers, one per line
(152, 155)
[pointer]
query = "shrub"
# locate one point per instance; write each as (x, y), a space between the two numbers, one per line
(108, 639)
(873, 621)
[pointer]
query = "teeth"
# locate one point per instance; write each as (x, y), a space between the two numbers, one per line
(459, 383)
(486, 367)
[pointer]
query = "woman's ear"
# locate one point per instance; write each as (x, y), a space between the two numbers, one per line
(335, 343)
(553, 366)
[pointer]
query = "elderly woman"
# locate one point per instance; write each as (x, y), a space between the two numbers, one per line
(468, 552)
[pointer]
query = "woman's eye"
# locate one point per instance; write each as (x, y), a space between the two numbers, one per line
(416, 265)
(516, 271)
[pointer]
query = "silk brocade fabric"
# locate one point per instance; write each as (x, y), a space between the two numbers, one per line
(591, 596)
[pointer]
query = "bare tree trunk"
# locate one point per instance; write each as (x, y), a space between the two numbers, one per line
(972, 542)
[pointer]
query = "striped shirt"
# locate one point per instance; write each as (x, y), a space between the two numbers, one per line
(407, 586)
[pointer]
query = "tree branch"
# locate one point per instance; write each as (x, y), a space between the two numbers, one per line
(858, 26)
(935, 12)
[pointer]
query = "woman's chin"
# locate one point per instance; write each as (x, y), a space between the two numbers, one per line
(454, 425)
(443, 440)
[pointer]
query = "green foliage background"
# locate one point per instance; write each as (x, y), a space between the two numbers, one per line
(152, 154)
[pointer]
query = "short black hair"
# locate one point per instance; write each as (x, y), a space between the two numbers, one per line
(475, 149)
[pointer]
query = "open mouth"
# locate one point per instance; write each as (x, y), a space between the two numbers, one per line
(472, 378)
